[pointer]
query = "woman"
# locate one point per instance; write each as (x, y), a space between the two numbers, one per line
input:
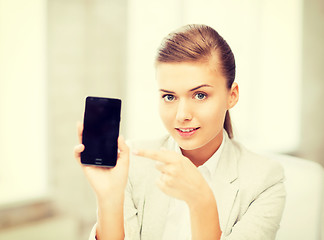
(197, 183)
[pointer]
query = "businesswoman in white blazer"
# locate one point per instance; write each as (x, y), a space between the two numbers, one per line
(197, 182)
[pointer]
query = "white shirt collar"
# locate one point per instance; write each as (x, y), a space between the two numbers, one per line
(211, 163)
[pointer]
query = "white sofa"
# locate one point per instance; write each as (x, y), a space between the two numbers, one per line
(303, 215)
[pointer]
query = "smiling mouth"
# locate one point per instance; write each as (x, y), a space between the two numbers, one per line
(187, 130)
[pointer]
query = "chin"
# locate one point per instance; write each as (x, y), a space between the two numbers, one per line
(189, 145)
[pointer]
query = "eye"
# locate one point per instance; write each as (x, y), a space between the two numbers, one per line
(200, 96)
(168, 97)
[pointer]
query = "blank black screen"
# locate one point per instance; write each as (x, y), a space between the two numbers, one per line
(101, 130)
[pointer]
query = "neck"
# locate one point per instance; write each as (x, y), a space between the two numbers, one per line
(200, 155)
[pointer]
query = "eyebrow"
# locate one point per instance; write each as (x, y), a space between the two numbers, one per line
(191, 90)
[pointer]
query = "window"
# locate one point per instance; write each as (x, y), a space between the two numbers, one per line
(23, 155)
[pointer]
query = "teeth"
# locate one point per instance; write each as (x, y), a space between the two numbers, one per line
(186, 130)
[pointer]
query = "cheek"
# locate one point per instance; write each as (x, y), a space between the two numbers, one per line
(165, 114)
(213, 114)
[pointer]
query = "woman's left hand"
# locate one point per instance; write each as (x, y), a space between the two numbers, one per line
(180, 178)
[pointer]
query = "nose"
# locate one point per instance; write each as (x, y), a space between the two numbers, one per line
(183, 112)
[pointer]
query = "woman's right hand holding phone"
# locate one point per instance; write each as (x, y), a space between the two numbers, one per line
(108, 183)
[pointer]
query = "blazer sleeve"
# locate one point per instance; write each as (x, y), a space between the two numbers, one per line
(263, 215)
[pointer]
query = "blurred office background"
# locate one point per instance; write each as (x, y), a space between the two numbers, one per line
(54, 53)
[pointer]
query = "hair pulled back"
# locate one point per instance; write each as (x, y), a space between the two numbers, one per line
(200, 43)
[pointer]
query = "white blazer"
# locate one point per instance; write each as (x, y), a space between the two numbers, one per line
(248, 189)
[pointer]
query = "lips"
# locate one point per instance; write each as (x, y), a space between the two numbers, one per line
(186, 132)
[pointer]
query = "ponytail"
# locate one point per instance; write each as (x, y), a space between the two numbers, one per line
(228, 125)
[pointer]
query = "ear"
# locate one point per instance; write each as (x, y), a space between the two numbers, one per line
(233, 96)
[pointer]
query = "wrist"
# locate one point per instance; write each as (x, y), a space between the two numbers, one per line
(204, 200)
(110, 201)
(204, 217)
(110, 218)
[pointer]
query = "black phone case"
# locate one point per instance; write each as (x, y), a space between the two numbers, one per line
(100, 132)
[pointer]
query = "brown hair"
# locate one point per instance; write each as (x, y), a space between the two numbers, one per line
(200, 43)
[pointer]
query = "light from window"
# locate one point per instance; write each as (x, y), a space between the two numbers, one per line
(23, 155)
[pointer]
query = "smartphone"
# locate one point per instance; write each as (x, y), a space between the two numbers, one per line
(100, 131)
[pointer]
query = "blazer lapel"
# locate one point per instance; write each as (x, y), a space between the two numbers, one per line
(224, 189)
(225, 195)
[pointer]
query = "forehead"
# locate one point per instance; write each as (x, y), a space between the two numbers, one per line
(184, 76)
